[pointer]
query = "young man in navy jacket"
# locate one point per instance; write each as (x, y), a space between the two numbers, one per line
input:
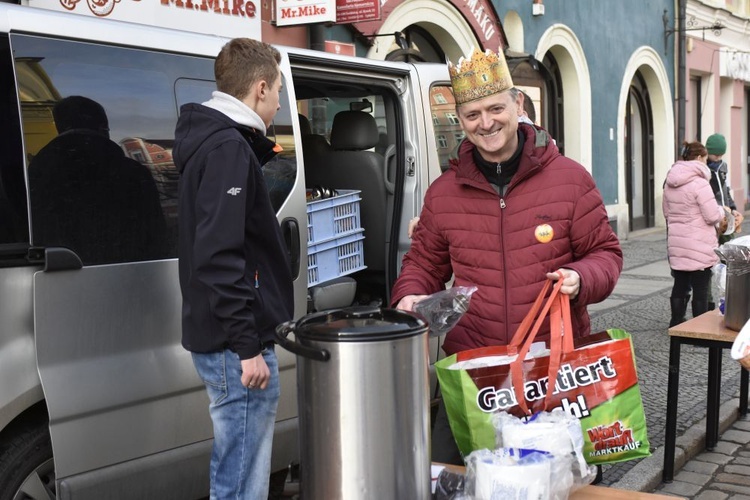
(234, 270)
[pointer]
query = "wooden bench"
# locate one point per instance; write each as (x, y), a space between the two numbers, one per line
(707, 330)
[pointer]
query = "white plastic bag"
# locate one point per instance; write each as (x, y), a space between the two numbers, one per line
(512, 474)
(556, 432)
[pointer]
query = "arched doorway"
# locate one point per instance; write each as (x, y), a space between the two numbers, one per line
(553, 112)
(431, 30)
(639, 155)
(416, 44)
(542, 86)
(562, 54)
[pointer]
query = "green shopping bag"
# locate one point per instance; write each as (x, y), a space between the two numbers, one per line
(594, 379)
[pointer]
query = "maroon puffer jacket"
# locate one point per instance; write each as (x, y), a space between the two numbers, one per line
(466, 229)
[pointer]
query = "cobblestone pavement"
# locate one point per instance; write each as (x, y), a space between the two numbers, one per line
(721, 474)
(640, 305)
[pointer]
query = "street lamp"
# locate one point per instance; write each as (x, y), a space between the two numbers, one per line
(691, 25)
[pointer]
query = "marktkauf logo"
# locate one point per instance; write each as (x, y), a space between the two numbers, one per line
(101, 8)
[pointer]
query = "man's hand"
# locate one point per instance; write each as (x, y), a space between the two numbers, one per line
(412, 226)
(571, 281)
(255, 372)
(724, 224)
(408, 302)
(738, 218)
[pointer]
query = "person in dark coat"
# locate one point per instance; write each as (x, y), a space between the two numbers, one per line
(86, 195)
(716, 145)
(235, 273)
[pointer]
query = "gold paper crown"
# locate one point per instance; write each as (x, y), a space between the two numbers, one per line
(480, 76)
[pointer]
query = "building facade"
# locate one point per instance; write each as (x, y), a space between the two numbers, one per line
(602, 87)
(614, 84)
(717, 87)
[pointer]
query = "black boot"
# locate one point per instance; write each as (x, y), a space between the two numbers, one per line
(679, 309)
(699, 308)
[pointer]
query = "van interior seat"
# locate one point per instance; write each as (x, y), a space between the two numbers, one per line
(312, 144)
(351, 166)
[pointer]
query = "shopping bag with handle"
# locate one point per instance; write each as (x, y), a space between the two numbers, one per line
(593, 378)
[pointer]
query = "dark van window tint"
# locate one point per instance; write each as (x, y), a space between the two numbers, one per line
(98, 125)
(14, 226)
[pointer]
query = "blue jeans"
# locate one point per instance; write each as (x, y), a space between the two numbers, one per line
(243, 421)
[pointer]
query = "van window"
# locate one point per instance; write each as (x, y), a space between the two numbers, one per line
(349, 141)
(322, 112)
(448, 133)
(13, 214)
(98, 127)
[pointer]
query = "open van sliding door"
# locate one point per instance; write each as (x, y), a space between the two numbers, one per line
(326, 85)
(362, 116)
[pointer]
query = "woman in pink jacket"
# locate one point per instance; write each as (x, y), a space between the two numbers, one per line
(692, 218)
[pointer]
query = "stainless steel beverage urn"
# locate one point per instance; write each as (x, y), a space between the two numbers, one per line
(737, 306)
(362, 376)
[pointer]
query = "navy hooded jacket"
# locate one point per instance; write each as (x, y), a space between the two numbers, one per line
(234, 266)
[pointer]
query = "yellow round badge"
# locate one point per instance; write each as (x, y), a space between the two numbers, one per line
(544, 233)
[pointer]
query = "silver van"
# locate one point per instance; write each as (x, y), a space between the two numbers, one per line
(98, 399)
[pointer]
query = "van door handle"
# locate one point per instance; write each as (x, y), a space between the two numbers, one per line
(290, 230)
(61, 259)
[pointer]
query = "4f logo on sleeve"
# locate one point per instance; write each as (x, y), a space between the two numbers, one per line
(234, 191)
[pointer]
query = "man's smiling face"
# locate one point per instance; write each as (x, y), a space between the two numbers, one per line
(491, 124)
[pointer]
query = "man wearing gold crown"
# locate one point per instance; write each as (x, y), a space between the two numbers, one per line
(508, 214)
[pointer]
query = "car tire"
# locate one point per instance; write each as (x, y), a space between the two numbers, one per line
(27, 471)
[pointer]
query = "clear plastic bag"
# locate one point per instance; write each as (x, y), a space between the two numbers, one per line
(719, 285)
(556, 432)
(450, 486)
(442, 310)
(517, 474)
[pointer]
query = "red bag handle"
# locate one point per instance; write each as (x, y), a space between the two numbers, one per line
(561, 341)
(516, 367)
(525, 326)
